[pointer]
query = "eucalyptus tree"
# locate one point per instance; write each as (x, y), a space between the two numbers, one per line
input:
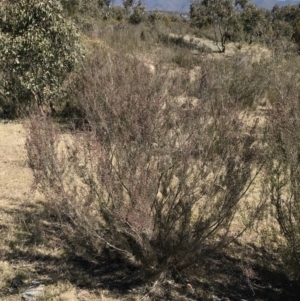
(254, 21)
(38, 48)
(282, 23)
(223, 15)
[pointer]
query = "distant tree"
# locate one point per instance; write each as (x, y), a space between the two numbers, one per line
(138, 14)
(282, 21)
(223, 15)
(91, 8)
(104, 2)
(70, 6)
(105, 6)
(290, 14)
(128, 4)
(199, 14)
(82, 10)
(253, 20)
(117, 13)
(38, 47)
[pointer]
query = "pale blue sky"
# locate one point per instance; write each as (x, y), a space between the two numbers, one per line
(273, 2)
(183, 5)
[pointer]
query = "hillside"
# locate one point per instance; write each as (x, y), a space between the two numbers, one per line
(244, 271)
(162, 163)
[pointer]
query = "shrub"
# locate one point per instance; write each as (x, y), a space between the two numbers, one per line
(71, 6)
(155, 16)
(296, 35)
(284, 158)
(157, 179)
(138, 15)
(118, 13)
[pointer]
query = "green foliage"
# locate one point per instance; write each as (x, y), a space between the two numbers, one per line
(38, 47)
(282, 21)
(70, 6)
(91, 8)
(287, 13)
(138, 15)
(254, 21)
(296, 34)
(238, 20)
(155, 16)
(117, 13)
(199, 14)
(175, 18)
(223, 15)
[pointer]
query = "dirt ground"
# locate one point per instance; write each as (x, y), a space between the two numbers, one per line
(16, 256)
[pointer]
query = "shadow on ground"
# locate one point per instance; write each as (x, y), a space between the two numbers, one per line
(222, 275)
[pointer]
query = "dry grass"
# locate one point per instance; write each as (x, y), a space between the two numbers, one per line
(19, 258)
(15, 180)
(15, 176)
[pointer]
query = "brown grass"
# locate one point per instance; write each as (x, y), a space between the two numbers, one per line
(17, 258)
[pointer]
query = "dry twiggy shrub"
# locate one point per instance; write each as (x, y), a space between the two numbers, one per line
(154, 180)
(283, 162)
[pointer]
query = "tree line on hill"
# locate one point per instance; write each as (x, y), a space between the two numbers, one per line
(228, 20)
(243, 20)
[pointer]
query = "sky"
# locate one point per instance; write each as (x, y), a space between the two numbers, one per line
(271, 3)
(183, 5)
